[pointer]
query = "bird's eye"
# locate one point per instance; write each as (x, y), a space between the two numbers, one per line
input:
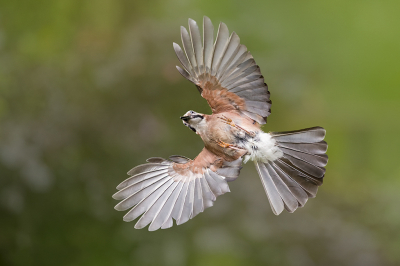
(191, 112)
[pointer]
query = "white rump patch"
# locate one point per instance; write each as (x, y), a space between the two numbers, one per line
(262, 148)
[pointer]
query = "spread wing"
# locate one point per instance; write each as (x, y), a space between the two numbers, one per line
(178, 188)
(224, 72)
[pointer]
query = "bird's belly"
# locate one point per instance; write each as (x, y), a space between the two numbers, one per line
(227, 135)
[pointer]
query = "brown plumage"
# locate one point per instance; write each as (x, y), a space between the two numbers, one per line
(220, 99)
(290, 164)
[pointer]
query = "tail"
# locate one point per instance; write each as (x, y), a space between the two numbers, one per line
(295, 176)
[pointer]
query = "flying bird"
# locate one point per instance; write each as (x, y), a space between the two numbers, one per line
(290, 164)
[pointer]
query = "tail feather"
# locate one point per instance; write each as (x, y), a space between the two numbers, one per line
(312, 148)
(295, 188)
(230, 170)
(288, 198)
(293, 178)
(305, 166)
(309, 184)
(273, 195)
(319, 160)
(307, 135)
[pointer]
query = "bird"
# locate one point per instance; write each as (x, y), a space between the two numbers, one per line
(291, 164)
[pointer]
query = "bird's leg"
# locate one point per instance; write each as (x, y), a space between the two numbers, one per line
(229, 121)
(227, 145)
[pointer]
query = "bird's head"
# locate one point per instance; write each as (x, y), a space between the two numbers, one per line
(193, 120)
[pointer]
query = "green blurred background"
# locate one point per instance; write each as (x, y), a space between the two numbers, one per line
(89, 89)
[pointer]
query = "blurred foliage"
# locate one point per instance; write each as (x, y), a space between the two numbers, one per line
(88, 89)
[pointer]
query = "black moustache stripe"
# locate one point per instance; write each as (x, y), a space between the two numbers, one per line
(192, 128)
(197, 116)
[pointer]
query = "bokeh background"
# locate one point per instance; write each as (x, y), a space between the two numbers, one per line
(89, 89)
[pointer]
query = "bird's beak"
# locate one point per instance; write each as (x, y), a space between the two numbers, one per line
(185, 118)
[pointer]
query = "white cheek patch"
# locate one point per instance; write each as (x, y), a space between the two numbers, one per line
(199, 125)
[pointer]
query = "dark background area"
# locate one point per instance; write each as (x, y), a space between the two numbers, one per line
(89, 89)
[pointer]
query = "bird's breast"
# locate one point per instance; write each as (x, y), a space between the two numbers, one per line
(225, 134)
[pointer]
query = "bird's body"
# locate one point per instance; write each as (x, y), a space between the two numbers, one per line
(290, 164)
(231, 136)
(217, 132)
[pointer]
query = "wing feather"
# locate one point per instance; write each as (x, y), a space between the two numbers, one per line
(179, 159)
(237, 60)
(185, 62)
(159, 203)
(243, 70)
(188, 47)
(141, 176)
(219, 47)
(231, 51)
(187, 208)
(208, 195)
(227, 67)
(176, 212)
(254, 84)
(178, 189)
(168, 223)
(185, 74)
(197, 46)
(213, 184)
(146, 167)
(139, 183)
(198, 206)
(223, 185)
(146, 202)
(165, 212)
(137, 196)
(208, 43)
